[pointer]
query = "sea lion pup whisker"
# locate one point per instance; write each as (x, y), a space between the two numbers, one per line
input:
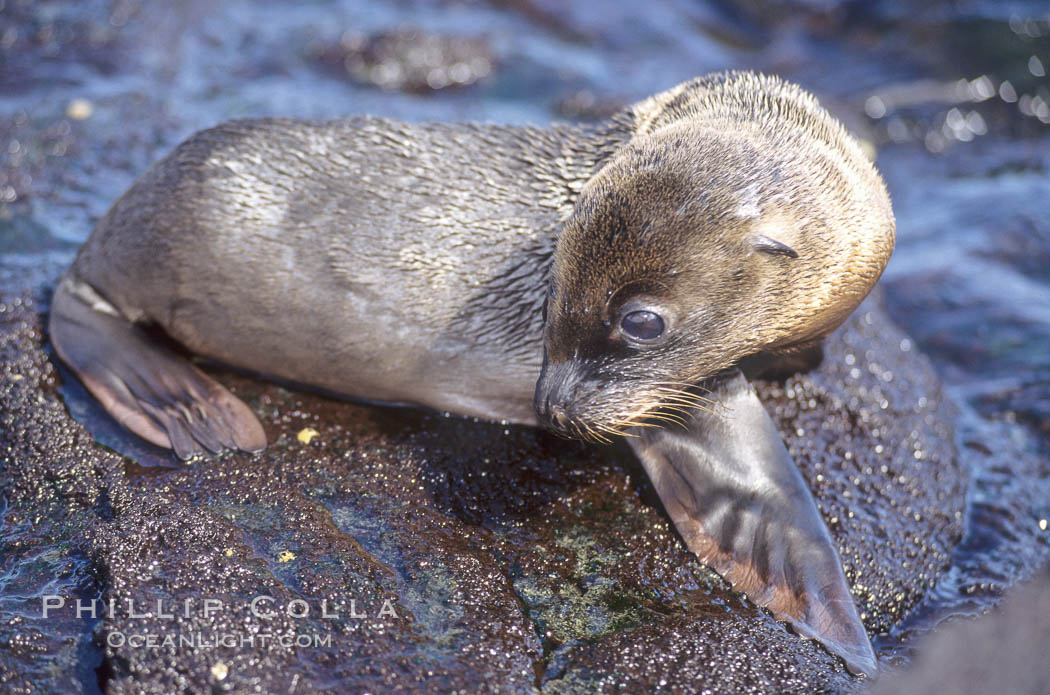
(725, 218)
(593, 433)
(684, 393)
(615, 431)
(666, 405)
(655, 414)
(685, 385)
(686, 400)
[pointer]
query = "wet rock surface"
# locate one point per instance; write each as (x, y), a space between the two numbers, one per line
(516, 562)
(512, 561)
(408, 60)
(871, 432)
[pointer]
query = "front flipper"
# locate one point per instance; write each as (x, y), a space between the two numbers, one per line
(742, 506)
(147, 388)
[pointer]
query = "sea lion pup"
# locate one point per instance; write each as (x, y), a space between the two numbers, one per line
(719, 224)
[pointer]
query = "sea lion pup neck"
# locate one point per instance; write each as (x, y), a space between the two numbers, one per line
(739, 219)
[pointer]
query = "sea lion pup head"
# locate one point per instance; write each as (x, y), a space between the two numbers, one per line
(740, 218)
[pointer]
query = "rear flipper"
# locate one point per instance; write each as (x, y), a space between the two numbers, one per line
(153, 392)
(742, 506)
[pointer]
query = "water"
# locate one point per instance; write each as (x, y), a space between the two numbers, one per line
(954, 95)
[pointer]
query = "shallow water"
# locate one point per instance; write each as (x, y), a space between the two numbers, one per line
(956, 100)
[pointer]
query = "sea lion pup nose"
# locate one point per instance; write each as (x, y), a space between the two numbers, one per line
(725, 219)
(740, 221)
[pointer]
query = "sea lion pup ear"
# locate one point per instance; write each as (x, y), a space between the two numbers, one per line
(153, 392)
(742, 506)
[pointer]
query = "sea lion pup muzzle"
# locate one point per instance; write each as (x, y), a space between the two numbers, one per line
(727, 220)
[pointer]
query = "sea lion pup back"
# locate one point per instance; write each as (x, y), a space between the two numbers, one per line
(727, 219)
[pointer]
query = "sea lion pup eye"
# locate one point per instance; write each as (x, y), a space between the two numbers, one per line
(642, 325)
(744, 207)
(638, 319)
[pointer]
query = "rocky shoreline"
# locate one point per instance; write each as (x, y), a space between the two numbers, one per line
(512, 559)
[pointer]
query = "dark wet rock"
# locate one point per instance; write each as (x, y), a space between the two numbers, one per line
(408, 60)
(34, 34)
(513, 560)
(45, 512)
(28, 150)
(1002, 652)
(952, 288)
(623, 26)
(872, 434)
(993, 337)
(43, 159)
